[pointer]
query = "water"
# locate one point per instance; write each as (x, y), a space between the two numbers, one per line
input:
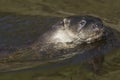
(21, 24)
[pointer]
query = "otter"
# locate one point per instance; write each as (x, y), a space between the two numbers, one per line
(68, 33)
(79, 29)
(80, 38)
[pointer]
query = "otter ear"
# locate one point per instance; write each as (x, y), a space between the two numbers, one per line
(66, 22)
(82, 23)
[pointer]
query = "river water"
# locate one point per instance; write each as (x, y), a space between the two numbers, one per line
(21, 24)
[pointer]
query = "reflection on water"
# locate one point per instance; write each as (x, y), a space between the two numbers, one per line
(19, 32)
(96, 63)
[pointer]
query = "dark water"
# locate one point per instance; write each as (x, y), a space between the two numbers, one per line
(23, 22)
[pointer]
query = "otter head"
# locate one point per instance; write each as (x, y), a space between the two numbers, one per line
(79, 29)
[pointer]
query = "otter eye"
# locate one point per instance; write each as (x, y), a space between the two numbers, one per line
(82, 22)
(81, 25)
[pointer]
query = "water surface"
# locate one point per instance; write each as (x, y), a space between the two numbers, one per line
(22, 22)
